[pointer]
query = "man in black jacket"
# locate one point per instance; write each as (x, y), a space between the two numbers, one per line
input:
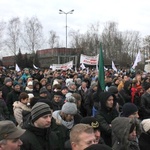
(38, 135)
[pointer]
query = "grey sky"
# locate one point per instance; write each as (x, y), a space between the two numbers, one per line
(130, 14)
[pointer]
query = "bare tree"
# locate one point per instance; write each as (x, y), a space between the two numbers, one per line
(53, 40)
(146, 47)
(33, 34)
(13, 33)
(2, 27)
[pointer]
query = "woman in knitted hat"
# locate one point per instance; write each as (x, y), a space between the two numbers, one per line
(63, 120)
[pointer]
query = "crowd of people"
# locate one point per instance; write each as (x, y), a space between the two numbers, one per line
(64, 110)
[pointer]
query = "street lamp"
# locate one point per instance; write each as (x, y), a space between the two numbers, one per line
(66, 13)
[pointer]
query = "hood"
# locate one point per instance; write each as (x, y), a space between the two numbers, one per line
(121, 127)
(103, 98)
(18, 104)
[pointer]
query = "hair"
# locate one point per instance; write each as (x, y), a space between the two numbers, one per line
(78, 129)
(76, 96)
(23, 95)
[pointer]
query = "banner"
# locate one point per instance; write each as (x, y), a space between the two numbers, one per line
(64, 66)
(89, 60)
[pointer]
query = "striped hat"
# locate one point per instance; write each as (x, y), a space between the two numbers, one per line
(38, 110)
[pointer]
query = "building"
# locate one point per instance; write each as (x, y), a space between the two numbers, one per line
(48, 57)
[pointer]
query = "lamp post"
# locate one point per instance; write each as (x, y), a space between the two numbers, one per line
(66, 13)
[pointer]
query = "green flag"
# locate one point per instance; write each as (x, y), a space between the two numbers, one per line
(101, 74)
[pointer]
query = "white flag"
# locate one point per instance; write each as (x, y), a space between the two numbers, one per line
(17, 68)
(138, 59)
(113, 66)
(35, 67)
(82, 66)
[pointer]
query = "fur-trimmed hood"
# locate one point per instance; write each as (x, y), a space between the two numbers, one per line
(18, 104)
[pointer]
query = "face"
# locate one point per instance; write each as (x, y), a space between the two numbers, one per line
(44, 121)
(132, 135)
(57, 98)
(85, 140)
(68, 117)
(95, 88)
(9, 83)
(17, 88)
(25, 101)
(134, 115)
(110, 102)
(84, 85)
(11, 144)
(64, 91)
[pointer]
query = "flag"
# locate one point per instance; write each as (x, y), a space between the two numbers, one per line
(35, 67)
(101, 74)
(113, 66)
(17, 68)
(82, 66)
(138, 59)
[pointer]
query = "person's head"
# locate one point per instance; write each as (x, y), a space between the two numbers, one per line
(113, 90)
(64, 90)
(107, 100)
(43, 92)
(132, 133)
(41, 115)
(146, 125)
(93, 122)
(84, 85)
(43, 81)
(68, 110)
(16, 86)
(8, 81)
(23, 98)
(57, 97)
(130, 110)
(77, 96)
(26, 71)
(30, 84)
(94, 86)
(72, 86)
(10, 136)
(82, 136)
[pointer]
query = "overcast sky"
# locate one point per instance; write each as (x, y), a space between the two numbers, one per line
(129, 14)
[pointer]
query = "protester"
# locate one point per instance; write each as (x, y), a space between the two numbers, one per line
(38, 133)
(82, 136)
(63, 120)
(19, 107)
(145, 102)
(4, 114)
(106, 114)
(144, 139)
(10, 136)
(124, 133)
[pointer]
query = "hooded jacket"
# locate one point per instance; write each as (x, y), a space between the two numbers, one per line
(120, 132)
(105, 117)
(18, 108)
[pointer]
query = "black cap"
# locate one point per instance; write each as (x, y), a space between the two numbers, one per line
(91, 121)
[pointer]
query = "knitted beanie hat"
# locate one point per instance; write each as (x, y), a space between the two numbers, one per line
(128, 109)
(146, 124)
(7, 79)
(69, 108)
(38, 110)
